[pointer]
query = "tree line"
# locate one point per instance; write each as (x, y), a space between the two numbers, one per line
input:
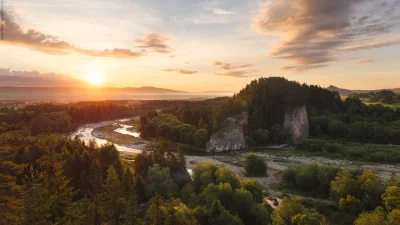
(359, 195)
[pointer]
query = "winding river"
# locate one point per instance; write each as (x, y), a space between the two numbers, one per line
(85, 134)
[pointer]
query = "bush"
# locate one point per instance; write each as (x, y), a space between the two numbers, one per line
(255, 165)
(201, 137)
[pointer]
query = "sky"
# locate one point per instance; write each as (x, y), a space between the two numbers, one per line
(200, 45)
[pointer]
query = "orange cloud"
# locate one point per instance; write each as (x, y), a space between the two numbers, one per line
(19, 35)
(315, 31)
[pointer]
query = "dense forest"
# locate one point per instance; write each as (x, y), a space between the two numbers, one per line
(47, 178)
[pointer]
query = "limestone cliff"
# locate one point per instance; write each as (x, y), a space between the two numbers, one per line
(230, 136)
(296, 121)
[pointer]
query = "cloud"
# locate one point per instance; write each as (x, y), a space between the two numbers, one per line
(315, 31)
(181, 71)
(37, 79)
(238, 73)
(229, 66)
(218, 11)
(19, 35)
(154, 42)
(369, 45)
(299, 69)
(363, 61)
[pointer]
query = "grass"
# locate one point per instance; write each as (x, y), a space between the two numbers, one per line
(355, 151)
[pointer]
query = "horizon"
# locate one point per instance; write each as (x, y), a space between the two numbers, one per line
(201, 46)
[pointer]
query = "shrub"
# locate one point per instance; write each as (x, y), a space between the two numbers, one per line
(255, 165)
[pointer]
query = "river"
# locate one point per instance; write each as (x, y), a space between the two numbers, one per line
(85, 134)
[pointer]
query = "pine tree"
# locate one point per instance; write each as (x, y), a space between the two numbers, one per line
(10, 192)
(112, 204)
(56, 183)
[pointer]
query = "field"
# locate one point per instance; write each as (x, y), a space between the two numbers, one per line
(393, 106)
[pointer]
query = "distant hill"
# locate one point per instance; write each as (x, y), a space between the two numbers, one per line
(345, 92)
(100, 93)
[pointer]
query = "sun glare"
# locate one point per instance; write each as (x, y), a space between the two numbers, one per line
(95, 78)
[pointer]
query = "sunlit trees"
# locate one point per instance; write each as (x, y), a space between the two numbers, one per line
(54, 122)
(289, 208)
(391, 198)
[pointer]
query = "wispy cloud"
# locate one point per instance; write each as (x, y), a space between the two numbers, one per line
(315, 31)
(9, 77)
(233, 70)
(218, 11)
(18, 35)
(238, 73)
(229, 66)
(154, 42)
(180, 71)
(369, 45)
(363, 61)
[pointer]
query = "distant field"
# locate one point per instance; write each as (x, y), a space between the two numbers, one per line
(393, 106)
(365, 101)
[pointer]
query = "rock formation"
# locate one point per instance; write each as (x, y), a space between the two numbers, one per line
(230, 136)
(296, 121)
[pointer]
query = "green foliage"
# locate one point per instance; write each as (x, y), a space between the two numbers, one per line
(260, 137)
(111, 200)
(357, 121)
(168, 127)
(201, 137)
(255, 189)
(310, 179)
(278, 134)
(282, 95)
(308, 219)
(159, 182)
(350, 204)
(54, 122)
(364, 152)
(391, 198)
(225, 175)
(289, 208)
(255, 165)
(377, 217)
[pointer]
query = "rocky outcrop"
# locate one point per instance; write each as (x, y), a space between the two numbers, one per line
(296, 121)
(230, 136)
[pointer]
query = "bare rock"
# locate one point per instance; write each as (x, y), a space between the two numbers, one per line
(296, 121)
(230, 137)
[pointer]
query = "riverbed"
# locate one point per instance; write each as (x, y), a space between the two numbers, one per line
(86, 134)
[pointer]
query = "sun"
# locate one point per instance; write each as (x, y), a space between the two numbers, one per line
(95, 78)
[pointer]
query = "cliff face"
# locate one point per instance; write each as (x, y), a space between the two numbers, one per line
(230, 137)
(296, 121)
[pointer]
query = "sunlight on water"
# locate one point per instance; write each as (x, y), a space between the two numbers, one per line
(85, 134)
(124, 130)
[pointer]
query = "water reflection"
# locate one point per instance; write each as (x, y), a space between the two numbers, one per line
(85, 134)
(124, 130)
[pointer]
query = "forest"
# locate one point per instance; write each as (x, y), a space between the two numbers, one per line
(49, 178)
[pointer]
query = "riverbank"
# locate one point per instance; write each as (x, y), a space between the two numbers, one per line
(108, 132)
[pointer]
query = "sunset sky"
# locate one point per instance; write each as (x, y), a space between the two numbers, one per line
(200, 45)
